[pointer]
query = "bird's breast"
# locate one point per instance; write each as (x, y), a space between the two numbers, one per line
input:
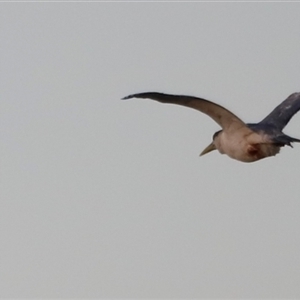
(245, 146)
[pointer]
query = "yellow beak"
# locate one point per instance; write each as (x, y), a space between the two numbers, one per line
(208, 149)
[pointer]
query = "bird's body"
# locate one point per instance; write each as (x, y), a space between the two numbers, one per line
(245, 146)
(240, 141)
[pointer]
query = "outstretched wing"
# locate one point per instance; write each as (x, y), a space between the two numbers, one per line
(226, 119)
(283, 113)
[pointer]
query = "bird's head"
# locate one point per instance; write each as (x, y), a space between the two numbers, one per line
(212, 145)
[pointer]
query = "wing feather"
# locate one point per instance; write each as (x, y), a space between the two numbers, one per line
(226, 119)
(283, 113)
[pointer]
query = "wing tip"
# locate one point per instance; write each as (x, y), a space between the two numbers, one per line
(128, 97)
(138, 95)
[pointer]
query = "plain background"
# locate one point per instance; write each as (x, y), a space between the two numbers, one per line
(108, 198)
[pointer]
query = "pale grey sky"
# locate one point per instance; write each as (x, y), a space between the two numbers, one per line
(106, 198)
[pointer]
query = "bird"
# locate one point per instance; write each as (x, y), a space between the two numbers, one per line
(240, 141)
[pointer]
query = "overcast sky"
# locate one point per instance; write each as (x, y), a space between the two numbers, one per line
(106, 198)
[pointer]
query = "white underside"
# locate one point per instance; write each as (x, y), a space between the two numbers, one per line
(237, 145)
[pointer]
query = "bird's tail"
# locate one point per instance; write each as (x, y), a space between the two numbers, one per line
(285, 140)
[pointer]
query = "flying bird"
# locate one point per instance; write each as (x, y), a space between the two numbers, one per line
(238, 140)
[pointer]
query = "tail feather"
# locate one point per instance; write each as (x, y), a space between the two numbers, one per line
(285, 140)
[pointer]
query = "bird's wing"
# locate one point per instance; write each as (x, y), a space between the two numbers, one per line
(226, 119)
(283, 113)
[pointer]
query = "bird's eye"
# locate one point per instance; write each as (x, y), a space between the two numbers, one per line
(216, 134)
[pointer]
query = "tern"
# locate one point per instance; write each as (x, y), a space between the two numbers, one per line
(240, 141)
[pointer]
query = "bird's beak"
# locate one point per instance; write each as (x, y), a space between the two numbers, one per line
(209, 148)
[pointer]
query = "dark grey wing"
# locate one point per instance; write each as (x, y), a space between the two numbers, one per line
(226, 119)
(283, 113)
